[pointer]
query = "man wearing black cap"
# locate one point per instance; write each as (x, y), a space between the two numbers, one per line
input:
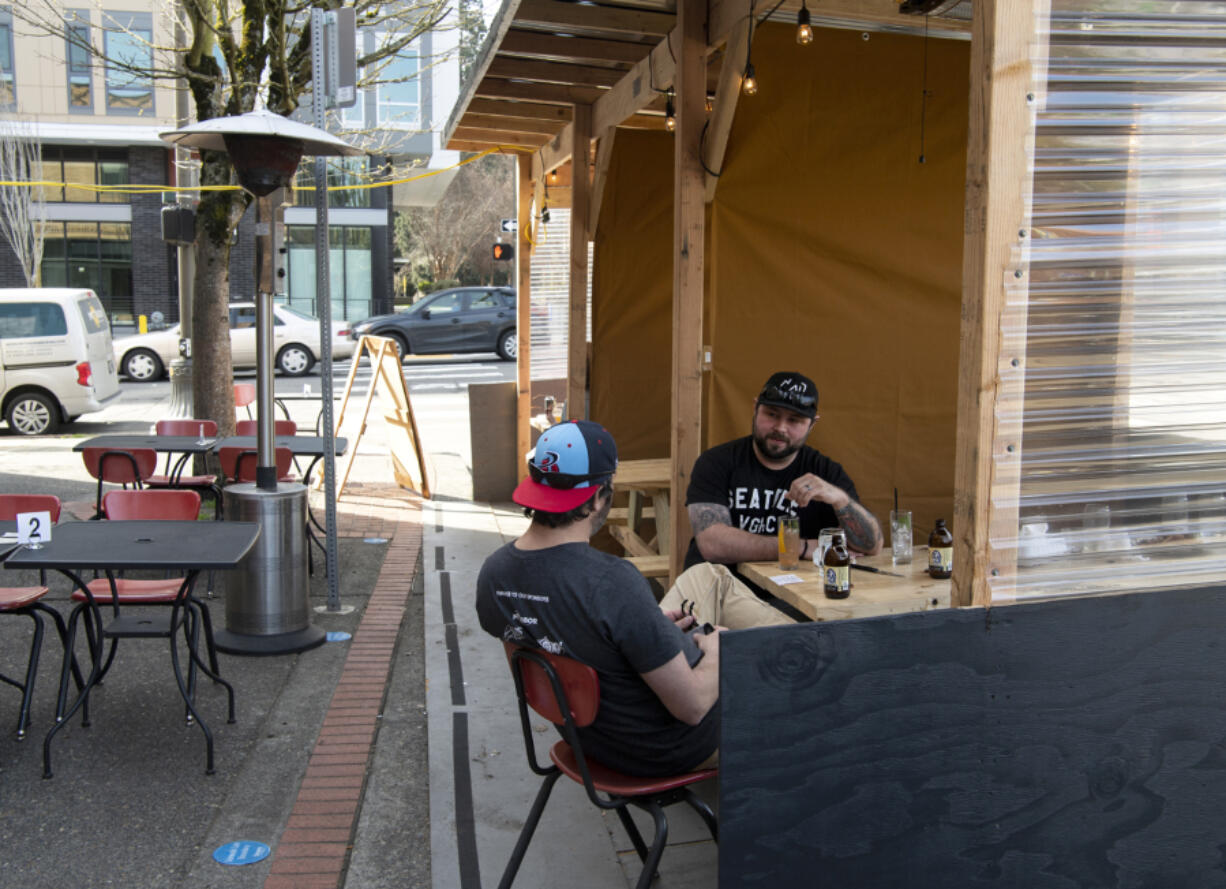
(739, 490)
(659, 682)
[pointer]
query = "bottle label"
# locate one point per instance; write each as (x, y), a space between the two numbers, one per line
(941, 557)
(838, 578)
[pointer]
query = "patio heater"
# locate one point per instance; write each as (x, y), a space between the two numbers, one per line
(267, 607)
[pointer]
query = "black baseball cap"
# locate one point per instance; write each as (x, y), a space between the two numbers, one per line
(788, 389)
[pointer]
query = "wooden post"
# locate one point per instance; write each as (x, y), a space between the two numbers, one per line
(997, 183)
(688, 257)
(523, 315)
(580, 193)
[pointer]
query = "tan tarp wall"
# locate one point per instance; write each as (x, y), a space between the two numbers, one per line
(831, 250)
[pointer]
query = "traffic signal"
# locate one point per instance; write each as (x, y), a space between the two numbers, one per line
(504, 251)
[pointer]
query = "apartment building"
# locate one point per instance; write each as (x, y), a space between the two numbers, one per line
(98, 125)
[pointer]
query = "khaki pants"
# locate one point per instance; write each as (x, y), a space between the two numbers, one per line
(719, 598)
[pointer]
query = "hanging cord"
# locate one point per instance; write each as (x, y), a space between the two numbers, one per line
(924, 93)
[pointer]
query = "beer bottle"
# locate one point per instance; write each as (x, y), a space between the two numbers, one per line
(836, 569)
(940, 552)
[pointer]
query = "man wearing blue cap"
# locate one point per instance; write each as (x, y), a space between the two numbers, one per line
(740, 489)
(659, 681)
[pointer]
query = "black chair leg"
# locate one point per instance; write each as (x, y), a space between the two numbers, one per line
(27, 688)
(525, 835)
(700, 806)
(633, 832)
(657, 847)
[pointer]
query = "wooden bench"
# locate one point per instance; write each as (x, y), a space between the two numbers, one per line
(650, 566)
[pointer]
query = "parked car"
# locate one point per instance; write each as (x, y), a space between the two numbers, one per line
(145, 357)
(462, 319)
(55, 357)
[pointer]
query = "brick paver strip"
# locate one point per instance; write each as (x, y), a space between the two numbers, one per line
(314, 846)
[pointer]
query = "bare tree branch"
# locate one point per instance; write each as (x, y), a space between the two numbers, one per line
(22, 211)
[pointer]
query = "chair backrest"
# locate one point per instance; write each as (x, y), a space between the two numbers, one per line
(252, 427)
(244, 394)
(552, 683)
(177, 504)
(120, 466)
(13, 504)
(186, 427)
(239, 464)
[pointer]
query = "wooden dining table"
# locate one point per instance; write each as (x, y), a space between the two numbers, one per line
(871, 594)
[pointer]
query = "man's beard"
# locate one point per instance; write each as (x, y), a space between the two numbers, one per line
(768, 446)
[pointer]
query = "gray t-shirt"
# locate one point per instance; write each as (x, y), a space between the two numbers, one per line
(596, 608)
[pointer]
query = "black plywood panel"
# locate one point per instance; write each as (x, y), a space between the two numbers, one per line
(1047, 746)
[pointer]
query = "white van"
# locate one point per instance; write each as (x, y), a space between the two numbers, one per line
(56, 361)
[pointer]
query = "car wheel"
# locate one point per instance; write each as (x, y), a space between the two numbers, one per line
(142, 366)
(508, 345)
(402, 344)
(295, 360)
(32, 413)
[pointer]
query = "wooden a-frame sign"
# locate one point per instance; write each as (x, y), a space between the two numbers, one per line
(386, 374)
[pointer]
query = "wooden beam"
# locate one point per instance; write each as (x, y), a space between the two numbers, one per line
(520, 110)
(496, 88)
(553, 72)
(688, 259)
(470, 147)
(501, 137)
(555, 152)
(997, 185)
(498, 29)
(604, 156)
(580, 194)
(523, 315)
(726, 96)
(561, 48)
(600, 18)
(644, 122)
(512, 124)
(638, 87)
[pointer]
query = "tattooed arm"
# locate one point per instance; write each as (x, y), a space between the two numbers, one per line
(862, 530)
(719, 542)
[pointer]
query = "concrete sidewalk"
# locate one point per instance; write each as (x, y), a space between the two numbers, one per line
(393, 759)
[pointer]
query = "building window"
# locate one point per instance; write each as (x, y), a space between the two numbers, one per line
(398, 95)
(8, 86)
(350, 270)
(80, 58)
(97, 255)
(129, 51)
(342, 171)
(80, 169)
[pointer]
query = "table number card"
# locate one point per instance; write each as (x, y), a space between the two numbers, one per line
(785, 579)
(33, 528)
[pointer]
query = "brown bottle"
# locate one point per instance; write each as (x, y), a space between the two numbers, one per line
(837, 568)
(940, 552)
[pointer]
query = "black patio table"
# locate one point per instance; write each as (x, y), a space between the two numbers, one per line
(113, 546)
(186, 446)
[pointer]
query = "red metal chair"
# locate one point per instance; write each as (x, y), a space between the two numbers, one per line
(120, 467)
(567, 693)
(238, 464)
(162, 504)
(174, 477)
(244, 396)
(25, 600)
(252, 427)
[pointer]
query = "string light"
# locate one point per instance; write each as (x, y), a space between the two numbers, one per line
(749, 86)
(670, 113)
(710, 103)
(553, 177)
(804, 31)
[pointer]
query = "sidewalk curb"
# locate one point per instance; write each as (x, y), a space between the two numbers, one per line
(313, 850)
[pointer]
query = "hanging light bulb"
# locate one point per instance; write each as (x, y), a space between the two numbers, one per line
(749, 85)
(553, 177)
(710, 103)
(670, 114)
(804, 31)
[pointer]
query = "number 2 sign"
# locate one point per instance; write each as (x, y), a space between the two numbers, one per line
(33, 528)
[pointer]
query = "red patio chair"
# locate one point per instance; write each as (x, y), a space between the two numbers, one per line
(119, 467)
(174, 477)
(163, 504)
(567, 693)
(252, 427)
(238, 464)
(244, 396)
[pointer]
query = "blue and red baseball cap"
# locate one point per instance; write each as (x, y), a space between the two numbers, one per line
(567, 467)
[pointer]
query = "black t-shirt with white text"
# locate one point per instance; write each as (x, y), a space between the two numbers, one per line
(731, 475)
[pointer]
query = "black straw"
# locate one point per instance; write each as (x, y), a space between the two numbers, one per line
(896, 499)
